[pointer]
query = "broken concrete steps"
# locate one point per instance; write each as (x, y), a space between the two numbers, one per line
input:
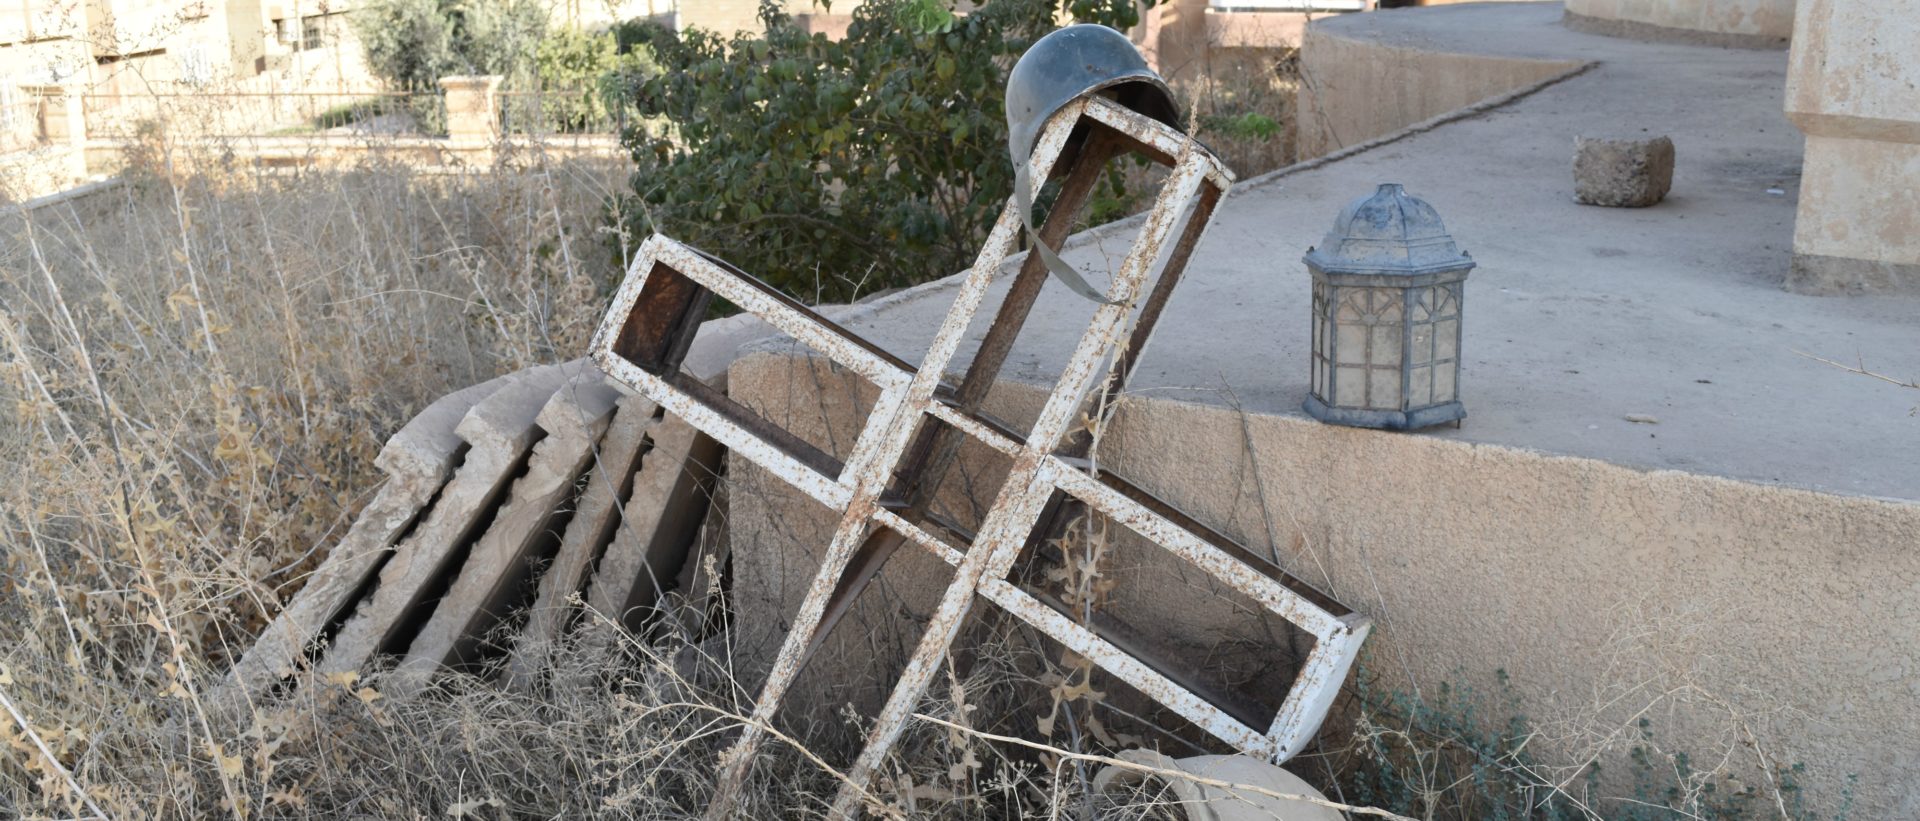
(500, 499)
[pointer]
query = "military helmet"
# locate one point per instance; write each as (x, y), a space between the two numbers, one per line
(1076, 60)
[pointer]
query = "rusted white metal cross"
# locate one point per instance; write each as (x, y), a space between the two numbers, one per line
(910, 435)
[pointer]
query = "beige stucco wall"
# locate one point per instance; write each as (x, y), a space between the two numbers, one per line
(1187, 40)
(1721, 611)
(728, 17)
(1762, 19)
(1354, 90)
(1851, 87)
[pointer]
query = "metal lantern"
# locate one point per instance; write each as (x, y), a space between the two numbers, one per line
(1387, 288)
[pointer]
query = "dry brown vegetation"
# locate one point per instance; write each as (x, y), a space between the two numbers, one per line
(199, 369)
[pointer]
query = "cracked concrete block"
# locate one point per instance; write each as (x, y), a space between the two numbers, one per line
(1628, 173)
(417, 461)
(498, 432)
(486, 587)
(609, 479)
(658, 523)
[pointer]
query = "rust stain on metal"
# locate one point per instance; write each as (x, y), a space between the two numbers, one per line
(643, 338)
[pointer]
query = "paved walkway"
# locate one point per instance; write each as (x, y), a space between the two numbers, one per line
(1577, 317)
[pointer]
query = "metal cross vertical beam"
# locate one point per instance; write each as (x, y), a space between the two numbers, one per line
(658, 308)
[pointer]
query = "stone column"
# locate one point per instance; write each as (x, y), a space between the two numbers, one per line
(1850, 88)
(473, 111)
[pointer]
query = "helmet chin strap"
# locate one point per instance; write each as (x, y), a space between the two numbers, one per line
(1061, 271)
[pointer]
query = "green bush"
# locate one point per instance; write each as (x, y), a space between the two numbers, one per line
(1456, 753)
(832, 169)
(411, 44)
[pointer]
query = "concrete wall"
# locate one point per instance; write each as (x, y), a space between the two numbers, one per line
(1354, 90)
(727, 17)
(1853, 86)
(1736, 22)
(1713, 608)
(1187, 40)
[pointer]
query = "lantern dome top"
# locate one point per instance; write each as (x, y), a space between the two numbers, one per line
(1388, 232)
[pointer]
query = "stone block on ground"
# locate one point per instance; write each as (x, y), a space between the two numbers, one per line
(658, 524)
(498, 431)
(595, 513)
(1622, 173)
(485, 587)
(417, 461)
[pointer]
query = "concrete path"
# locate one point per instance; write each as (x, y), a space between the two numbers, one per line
(1578, 317)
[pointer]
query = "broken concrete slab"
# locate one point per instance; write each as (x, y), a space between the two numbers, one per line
(658, 523)
(1622, 173)
(498, 431)
(502, 559)
(417, 462)
(609, 478)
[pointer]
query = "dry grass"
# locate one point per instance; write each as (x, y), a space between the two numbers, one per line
(199, 370)
(198, 373)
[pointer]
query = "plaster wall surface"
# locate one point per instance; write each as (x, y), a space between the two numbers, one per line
(1767, 19)
(1713, 607)
(1357, 86)
(1853, 86)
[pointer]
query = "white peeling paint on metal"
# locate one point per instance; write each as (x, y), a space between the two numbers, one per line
(906, 395)
(823, 489)
(1127, 668)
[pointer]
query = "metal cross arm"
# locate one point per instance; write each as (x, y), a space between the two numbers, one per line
(885, 486)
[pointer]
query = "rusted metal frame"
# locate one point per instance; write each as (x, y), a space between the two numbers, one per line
(1337, 638)
(737, 438)
(1103, 640)
(871, 481)
(933, 447)
(1136, 672)
(933, 452)
(1231, 547)
(1083, 367)
(1337, 635)
(1268, 592)
(660, 256)
(1016, 511)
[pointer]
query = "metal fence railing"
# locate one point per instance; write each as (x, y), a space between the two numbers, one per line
(266, 113)
(546, 112)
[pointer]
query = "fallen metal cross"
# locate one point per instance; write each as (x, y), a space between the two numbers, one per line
(886, 484)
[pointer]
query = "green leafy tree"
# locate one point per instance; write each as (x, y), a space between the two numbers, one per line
(413, 43)
(586, 78)
(835, 168)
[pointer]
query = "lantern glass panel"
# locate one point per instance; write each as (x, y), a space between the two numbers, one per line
(1350, 344)
(1422, 352)
(1383, 388)
(1386, 346)
(1350, 387)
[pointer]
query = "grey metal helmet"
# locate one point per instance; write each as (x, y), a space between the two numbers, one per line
(1073, 61)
